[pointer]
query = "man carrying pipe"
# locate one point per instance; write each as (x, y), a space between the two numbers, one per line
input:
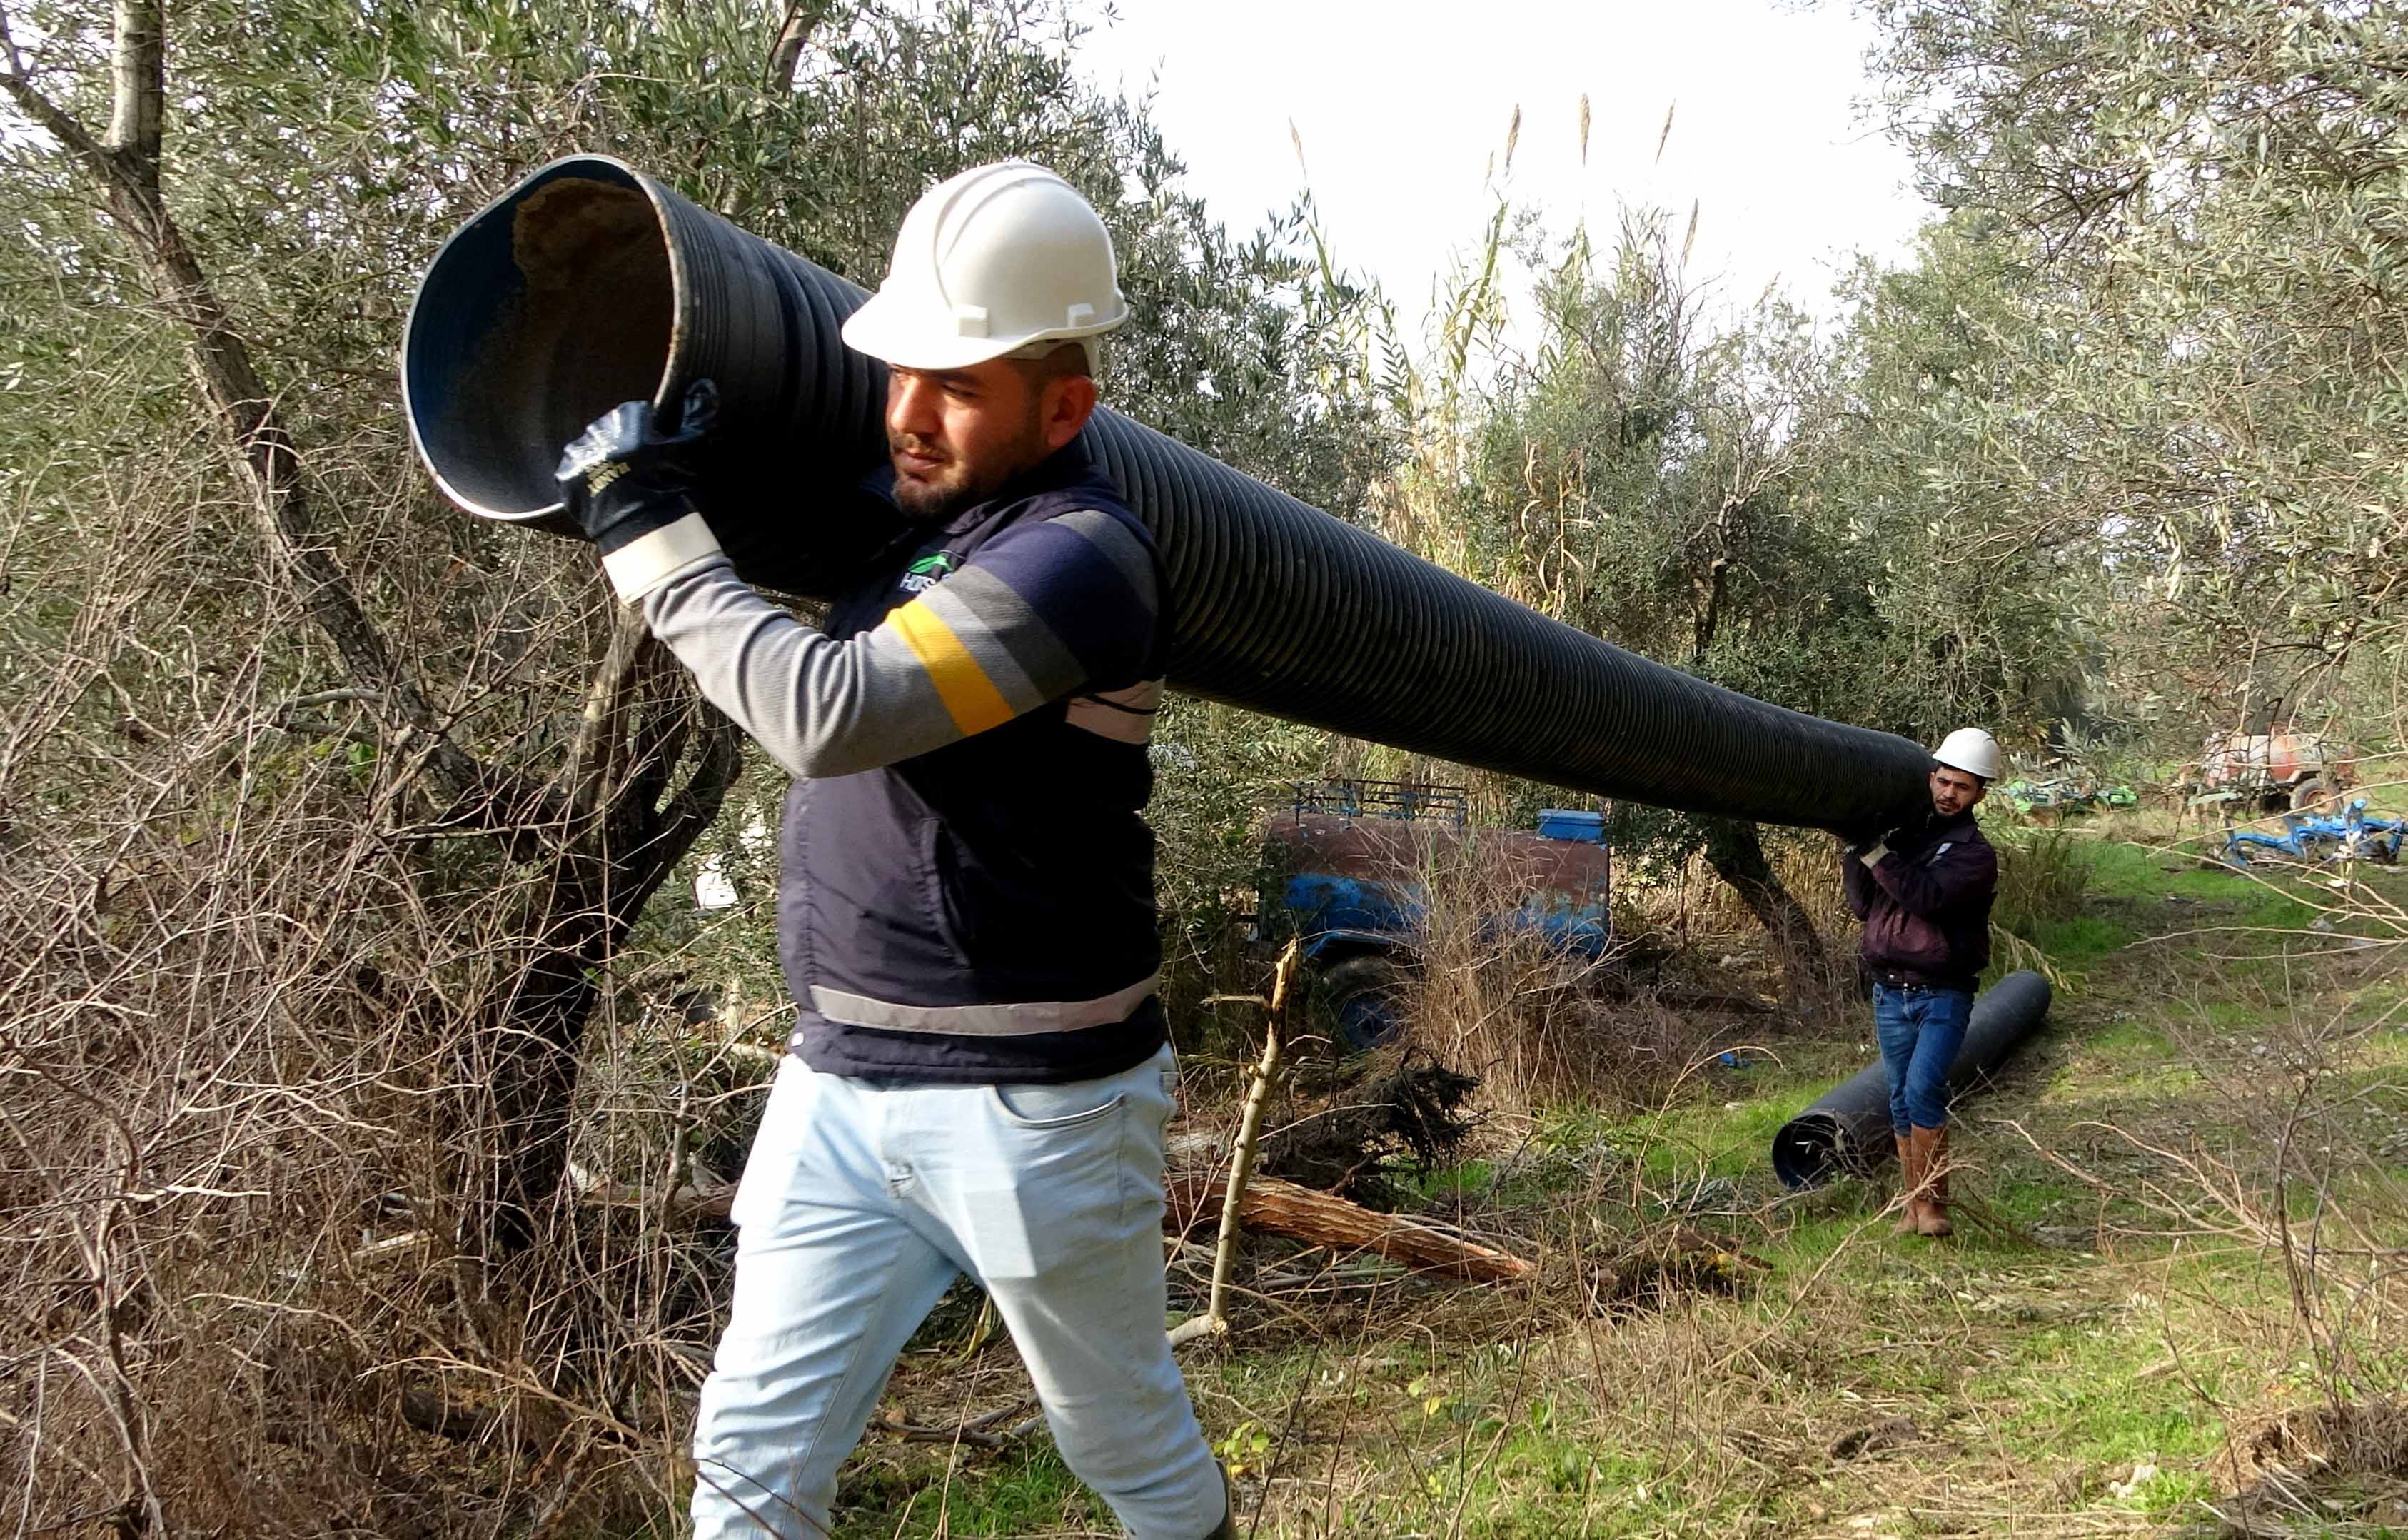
(980, 1077)
(1924, 891)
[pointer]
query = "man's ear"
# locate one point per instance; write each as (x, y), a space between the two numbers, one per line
(1980, 789)
(1064, 408)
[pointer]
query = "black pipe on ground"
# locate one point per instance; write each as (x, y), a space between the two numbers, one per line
(1849, 1128)
(590, 284)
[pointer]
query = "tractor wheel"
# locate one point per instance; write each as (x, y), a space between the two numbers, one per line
(2309, 795)
(1365, 1000)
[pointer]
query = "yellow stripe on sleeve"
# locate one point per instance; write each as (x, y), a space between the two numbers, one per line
(969, 697)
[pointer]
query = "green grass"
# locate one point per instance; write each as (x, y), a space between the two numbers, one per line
(2078, 944)
(1028, 1492)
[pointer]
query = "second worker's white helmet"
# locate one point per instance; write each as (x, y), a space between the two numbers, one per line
(1002, 259)
(1971, 750)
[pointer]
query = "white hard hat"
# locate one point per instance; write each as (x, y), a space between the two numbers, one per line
(1971, 750)
(989, 262)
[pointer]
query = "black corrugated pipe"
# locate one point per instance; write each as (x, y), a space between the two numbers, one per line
(1849, 1128)
(590, 284)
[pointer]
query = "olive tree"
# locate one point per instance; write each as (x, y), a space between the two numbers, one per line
(331, 816)
(2194, 382)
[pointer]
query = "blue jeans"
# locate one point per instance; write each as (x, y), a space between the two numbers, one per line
(860, 1202)
(1920, 1030)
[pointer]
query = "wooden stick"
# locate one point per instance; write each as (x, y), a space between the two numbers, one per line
(977, 1431)
(1242, 1154)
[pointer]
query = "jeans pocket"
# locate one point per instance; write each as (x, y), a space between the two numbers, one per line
(1049, 1183)
(1045, 1108)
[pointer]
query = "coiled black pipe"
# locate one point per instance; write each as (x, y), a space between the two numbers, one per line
(590, 284)
(1849, 1128)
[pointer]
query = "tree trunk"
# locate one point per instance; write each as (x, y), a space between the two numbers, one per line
(595, 887)
(1706, 611)
(1708, 592)
(801, 18)
(1733, 850)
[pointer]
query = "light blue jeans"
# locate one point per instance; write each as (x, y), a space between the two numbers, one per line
(1920, 1030)
(860, 1202)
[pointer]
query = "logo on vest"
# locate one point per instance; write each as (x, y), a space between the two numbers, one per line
(928, 571)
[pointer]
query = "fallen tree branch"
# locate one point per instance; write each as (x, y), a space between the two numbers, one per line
(1282, 1208)
(912, 1433)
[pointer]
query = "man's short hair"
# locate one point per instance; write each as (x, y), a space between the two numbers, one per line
(1058, 362)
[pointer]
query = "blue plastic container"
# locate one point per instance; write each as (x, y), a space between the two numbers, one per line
(1565, 824)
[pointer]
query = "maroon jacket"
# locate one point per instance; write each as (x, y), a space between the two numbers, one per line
(1927, 904)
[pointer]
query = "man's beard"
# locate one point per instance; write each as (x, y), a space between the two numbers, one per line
(969, 485)
(925, 503)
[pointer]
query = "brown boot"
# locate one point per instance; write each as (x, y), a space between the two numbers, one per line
(1931, 1155)
(1910, 1208)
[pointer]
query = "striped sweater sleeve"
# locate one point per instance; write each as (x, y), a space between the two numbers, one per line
(1044, 611)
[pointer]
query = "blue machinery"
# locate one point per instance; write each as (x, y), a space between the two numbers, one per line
(2354, 834)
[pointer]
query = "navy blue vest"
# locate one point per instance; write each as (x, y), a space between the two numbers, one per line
(994, 895)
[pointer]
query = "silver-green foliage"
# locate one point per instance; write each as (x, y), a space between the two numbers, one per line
(2198, 213)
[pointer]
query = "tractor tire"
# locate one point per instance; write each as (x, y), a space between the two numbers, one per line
(2308, 794)
(1365, 1001)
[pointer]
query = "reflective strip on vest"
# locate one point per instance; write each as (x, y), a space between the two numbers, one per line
(1019, 1020)
(970, 696)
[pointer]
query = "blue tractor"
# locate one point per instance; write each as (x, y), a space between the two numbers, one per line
(1347, 867)
(2354, 834)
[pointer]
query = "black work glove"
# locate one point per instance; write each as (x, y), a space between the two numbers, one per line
(1860, 835)
(1871, 832)
(1880, 833)
(623, 478)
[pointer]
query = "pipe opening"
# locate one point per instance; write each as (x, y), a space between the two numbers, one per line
(550, 309)
(1806, 1150)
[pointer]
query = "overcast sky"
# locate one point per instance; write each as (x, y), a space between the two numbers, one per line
(1401, 105)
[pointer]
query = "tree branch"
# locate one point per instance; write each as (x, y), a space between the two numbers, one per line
(599, 745)
(1242, 1154)
(656, 744)
(719, 759)
(794, 31)
(54, 120)
(125, 173)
